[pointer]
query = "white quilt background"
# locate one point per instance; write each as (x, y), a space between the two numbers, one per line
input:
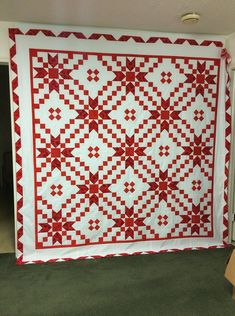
(141, 191)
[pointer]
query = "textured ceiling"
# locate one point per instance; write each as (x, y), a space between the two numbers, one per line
(217, 16)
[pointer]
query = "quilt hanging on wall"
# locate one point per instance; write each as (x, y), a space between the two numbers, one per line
(121, 142)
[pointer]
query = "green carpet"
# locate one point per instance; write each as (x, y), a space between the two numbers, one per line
(183, 283)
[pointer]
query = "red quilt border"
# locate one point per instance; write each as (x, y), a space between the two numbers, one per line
(13, 32)
(123, 254)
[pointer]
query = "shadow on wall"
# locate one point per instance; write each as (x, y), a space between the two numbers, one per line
(6, 179)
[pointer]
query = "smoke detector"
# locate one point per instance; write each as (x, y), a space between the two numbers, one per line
(190, 18)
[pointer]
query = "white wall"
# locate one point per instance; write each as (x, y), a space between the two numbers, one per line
(230, 45)
(4, 41)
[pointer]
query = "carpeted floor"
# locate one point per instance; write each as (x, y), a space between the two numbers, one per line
(185, 283)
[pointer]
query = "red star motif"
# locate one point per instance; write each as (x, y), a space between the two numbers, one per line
(163, 185)
(200, 78)
(55, 150)
(166, 116)
(130, 75)
(129, 220)
(94, 188)
(195, 218)
(197, 151)
(129, 150)
(93, 114)
(57, 227)
(53, 73)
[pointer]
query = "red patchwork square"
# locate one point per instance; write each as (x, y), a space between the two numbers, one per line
(165, 115)
(200, 78)
(129, 222)
(56, 227)
(197, 150)
(93, 114)
(53, 73)
(94, 188)
(55, 152)
(162, 185)
(130, 76)
(130, 151)
(196, 219)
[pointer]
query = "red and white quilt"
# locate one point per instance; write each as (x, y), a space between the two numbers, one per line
(120, 143)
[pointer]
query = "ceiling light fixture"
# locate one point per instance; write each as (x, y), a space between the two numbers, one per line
(190, 18)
